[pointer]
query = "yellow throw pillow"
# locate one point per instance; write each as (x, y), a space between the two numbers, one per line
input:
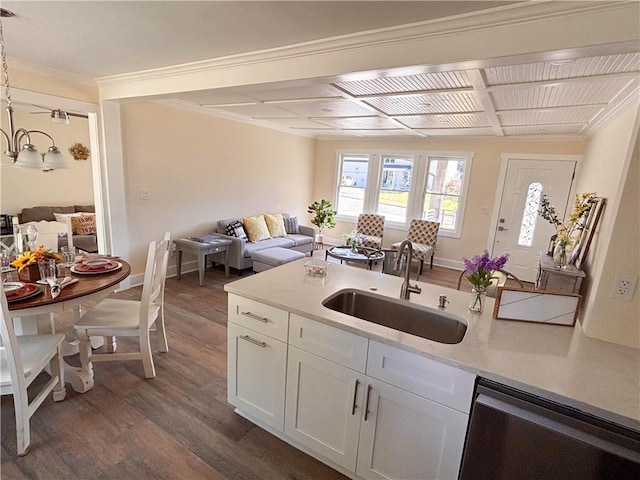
(275, 224)
(84, 224)
(256, 228)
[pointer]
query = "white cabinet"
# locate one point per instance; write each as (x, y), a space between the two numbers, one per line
(405, 436)
(323, 406)
(374, 410)
(256, 361)
(416, 430)
(407, 423)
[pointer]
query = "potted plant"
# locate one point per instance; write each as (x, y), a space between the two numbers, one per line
(324, 217)
(569, 231)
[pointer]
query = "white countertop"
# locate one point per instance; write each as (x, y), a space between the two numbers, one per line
(556, 362)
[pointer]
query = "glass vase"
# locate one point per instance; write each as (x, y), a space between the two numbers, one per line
(560, 255)
(478, 297)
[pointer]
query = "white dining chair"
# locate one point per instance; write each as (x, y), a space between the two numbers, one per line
(49, 234)
(130, 318)
(22, 359)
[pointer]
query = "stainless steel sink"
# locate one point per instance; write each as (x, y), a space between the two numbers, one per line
(398, 314)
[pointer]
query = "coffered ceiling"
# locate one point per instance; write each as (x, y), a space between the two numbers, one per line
(557, 92)
(562, 97)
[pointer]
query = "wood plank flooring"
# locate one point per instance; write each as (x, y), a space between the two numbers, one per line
(176, 426)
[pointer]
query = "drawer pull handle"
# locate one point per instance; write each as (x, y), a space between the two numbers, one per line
(366, 403)
(251, 340)
(355, 395)
(255, 317)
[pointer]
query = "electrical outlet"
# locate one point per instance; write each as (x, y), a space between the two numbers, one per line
(624, 287)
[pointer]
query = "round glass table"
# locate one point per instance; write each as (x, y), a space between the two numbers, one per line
(359, 254)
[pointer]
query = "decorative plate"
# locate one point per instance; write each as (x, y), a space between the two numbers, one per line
(27, 291)
(83, 269)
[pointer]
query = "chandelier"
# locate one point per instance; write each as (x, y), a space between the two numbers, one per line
(19, 147)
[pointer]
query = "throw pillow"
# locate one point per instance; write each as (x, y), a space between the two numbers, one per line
(62, 218)
(84, 224)
(275, 224)
(256, 228)
(235, 229)
(291, 225)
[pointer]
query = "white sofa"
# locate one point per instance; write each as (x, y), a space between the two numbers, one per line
(240, 251)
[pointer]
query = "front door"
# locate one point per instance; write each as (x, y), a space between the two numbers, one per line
(519, 229)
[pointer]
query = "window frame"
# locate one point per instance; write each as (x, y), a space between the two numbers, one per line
(418, 189)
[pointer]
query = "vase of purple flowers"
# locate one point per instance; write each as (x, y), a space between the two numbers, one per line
(480, 270)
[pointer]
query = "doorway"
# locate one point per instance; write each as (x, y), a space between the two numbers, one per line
(26, 99)
(517, 227)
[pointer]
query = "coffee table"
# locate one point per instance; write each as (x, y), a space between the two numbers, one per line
(362, 254)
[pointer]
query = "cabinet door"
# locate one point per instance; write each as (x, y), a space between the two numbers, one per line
(404, 436)
(324, 403)
(256, 374)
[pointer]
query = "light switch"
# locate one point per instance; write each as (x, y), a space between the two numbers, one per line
(484, 210)
(145, 194)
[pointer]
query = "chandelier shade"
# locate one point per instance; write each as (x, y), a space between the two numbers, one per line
(29, 157)
(54, 160)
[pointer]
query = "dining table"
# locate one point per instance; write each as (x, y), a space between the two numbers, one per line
(77, 297)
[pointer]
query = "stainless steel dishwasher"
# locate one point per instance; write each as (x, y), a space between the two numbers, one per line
(516, 435)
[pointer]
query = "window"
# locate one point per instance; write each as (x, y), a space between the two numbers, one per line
(443, 197)
(403, 186)
(354, 170)
(530, 215)
(395, 186)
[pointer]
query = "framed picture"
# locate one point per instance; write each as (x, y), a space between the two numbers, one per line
(582, 248)
(538, 306)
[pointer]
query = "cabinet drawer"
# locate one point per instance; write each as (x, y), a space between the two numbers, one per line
(259, 317)
(436, 381)
(329, 342)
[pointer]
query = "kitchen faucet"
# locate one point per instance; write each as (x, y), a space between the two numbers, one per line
(407, 289)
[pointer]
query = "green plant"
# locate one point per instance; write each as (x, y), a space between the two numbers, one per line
(575, 223)
(324, 214)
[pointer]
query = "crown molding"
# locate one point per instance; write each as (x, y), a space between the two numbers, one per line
(632, 99)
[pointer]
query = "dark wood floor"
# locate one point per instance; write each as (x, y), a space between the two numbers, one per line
(176, 426)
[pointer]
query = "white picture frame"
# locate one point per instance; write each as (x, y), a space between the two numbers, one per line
(538, 306)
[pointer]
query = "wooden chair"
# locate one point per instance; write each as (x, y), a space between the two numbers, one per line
(423, 235)
(371, 226)
(130, 318)
(501, 277)
(49, 234)
(22, 359)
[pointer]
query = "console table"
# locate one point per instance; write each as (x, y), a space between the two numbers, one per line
(554, 279)
(202, 249)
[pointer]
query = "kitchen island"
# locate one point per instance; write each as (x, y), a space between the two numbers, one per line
(557, 362)
(374, 402)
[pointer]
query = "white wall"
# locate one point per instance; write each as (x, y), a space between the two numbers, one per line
(611, 169)
(200, 169)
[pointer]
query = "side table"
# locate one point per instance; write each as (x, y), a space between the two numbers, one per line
(202, 250)
(554, 279)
